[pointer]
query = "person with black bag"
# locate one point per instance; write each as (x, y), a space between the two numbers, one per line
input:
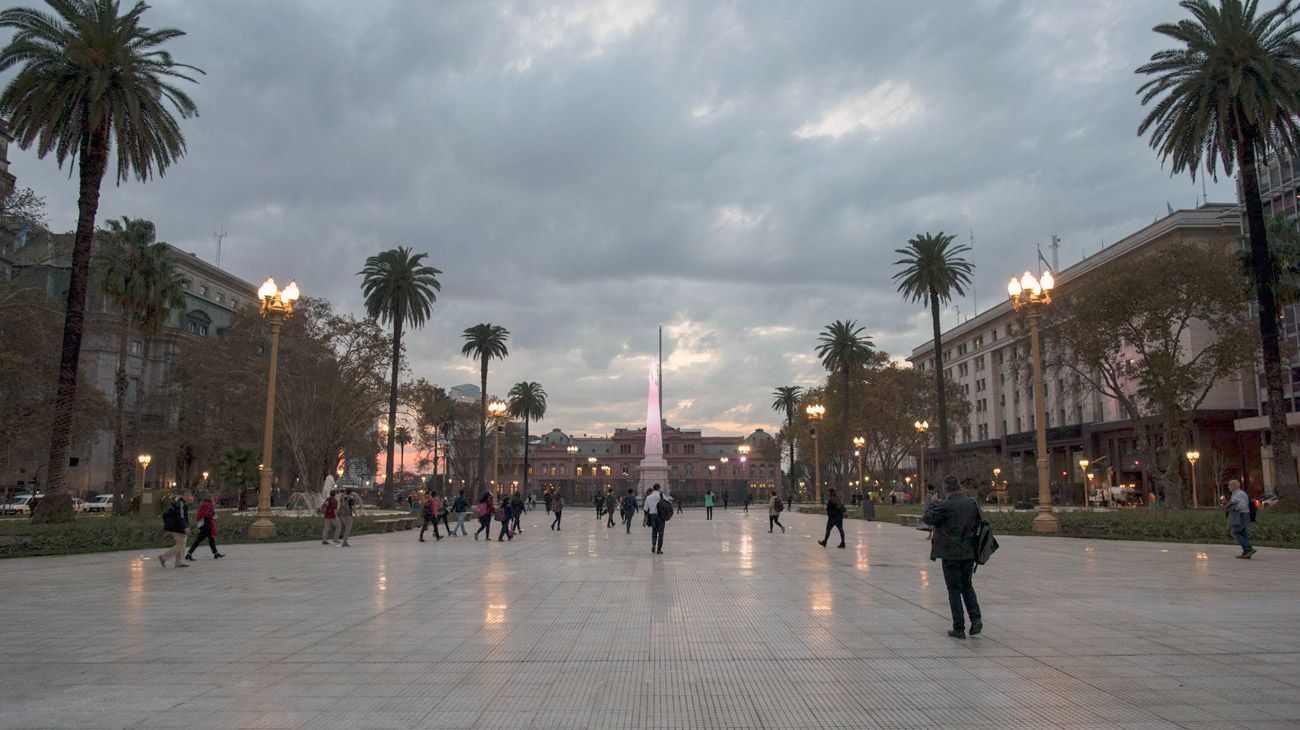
(834, 517)
(774, 509)
(176, 521)
(660, 509)
(957, 523)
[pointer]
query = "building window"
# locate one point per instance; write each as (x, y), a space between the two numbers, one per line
(688, 448)
(203, 290)
(625, 449)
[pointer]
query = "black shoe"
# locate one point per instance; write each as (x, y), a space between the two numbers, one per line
(189, 557)
(957, 634)
(1248, 553)
(822, 543)
(782, 529)
(422, 538)
(439, 537)
(217, 556)
(659, 552)
(840, 546)
(976, 627)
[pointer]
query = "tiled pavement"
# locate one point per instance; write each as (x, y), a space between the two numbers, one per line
(731, 628)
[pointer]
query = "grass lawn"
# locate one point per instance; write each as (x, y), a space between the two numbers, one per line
(1164, 525)
(93, 534)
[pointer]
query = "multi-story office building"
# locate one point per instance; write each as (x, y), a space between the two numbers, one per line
(981, 355)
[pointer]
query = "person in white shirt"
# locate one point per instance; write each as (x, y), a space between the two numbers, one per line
(1238, 511)
(652, 502)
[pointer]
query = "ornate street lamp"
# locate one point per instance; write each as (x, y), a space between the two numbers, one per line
(144, 460)
(277, 305)
(1194, 456)
(997, 472)
(816, 412)
(1083, 467)
(922, 427)
(496, 411)
(1030, 295)
(859, 445)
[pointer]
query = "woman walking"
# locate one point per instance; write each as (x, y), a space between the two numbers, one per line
(207, 529)
(460, 506)
(484, 512)
(834, 517)
(557, 506)
(506, 515)
(774, 508)
(430, 514)
(708, 505)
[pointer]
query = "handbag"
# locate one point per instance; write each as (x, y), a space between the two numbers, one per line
(985, 543)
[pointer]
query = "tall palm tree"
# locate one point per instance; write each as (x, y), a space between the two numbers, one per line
(162, 293)
(484, 342)
(785, 399)
(398, 288)
(124, 246)
(527, 402)
(933, 271)
(402, 437)
(842, 347)
(1230, 94)
(90, 78)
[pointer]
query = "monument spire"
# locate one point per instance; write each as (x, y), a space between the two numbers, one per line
(654, 468)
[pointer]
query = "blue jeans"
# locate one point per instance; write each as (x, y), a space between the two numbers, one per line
(957, 576)
(1241, 534)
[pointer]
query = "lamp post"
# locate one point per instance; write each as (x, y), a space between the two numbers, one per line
(496, 411)
(1083, 467)
(712, 469)
(277, 305)
(997, 472)
(816, 412)
(922, 428)
(859, 443)
(1030, 295)
(1194, 456)
(144, 460)
(744, 463)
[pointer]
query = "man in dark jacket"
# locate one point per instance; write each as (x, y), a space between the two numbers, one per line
(176, 521)
(956, 522)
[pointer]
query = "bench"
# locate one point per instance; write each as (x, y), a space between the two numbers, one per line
(407, 523)
(909, 520)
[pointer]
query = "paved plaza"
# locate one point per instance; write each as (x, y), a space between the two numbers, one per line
(731, 628)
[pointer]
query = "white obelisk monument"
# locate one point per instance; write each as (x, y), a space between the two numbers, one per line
(654, 468)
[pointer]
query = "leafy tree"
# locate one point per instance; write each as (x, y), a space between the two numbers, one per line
(484, 342)
(237, 468)
(844, 349)
(786, 399)
(933, 271)
(23, 209)
(1229, 94)
(429, 403)
(90, 78)
(527, 402)
(1139, 349)
(403, 437)
(398, 288)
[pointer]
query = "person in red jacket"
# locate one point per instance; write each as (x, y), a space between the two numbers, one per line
(332, 526)
(207, 524)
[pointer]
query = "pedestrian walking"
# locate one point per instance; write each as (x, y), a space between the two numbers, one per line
(1238, 510)
(774, 508)
(443, 511)
(483, 511)
(611, 504)
(748, 498)
(547, 497)
(726, 499)
(460, 507)
(347, 508)
(629, 509)
(557, 506)
(206, 522)
(176, 521)
(600, 505)
(516, 512)
(708, 505)
(506, 515)
(430, 514)
(660, 509)
(956, 521)
(332, 526)
(834, 517)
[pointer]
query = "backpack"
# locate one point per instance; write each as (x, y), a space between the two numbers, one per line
(481, 509)
(664, 509)
(779, 506)
(171, 518)
(985, 543)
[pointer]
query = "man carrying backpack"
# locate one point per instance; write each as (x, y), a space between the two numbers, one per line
(774, 508)
(629, 509)
(330, 509)
(430, 514)
(347, 508)
(1238, 510)
(956, 521)
(660, 509)
(176, 521)
(611, 504)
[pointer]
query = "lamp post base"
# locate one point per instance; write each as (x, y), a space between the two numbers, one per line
(1046, 522)
(262, 528)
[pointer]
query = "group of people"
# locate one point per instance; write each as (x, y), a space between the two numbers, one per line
(338, 511)
(176, 522)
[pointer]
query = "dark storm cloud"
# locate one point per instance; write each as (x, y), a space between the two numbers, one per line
(583, 172)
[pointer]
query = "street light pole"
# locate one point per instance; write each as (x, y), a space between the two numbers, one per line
(496, 410)
(816, 412)
(1030, 295)
(922, 427)
(277, 305)
(1193, 456)
(144, 460)
(1083, 469)
(858, 443)
(997, 472)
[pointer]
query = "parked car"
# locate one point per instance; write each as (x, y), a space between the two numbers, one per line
(100, 503)
(21, 505)
(1266, 500)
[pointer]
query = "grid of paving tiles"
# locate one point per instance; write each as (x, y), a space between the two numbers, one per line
(732, 627)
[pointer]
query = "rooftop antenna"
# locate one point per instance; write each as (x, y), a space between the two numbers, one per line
(220, 236)
(1056, 252)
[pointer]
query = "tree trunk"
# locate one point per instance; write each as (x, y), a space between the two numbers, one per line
(1263, 276)
(939, 379)
(392, 412)
(845, 438)
(789, 419)
(120, 464)
(482, 421)
(57, 504)
(525, 490)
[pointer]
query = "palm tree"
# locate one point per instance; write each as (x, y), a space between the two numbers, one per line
(90, 78)
(843, 347)
(933, 271)
(785, 399)
(1230, 94)
(484, 342)
(527, 401)
(124, 248)
(162, 293)
(398, 289)
(402, 437)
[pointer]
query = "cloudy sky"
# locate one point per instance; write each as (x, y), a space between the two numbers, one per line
(583, 172)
